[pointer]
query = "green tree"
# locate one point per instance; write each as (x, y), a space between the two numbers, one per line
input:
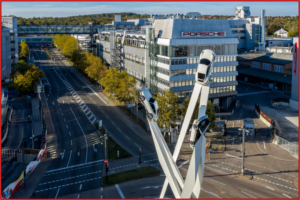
(110, 81)
(78, 57)
(96, 67)
(27, 81)
(168, 109)
(21, 66)
(210, 111)
(69, 46)
(24, 50)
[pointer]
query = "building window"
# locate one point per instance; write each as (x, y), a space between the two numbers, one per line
(266, 66)
(255, 64)
(277, 68)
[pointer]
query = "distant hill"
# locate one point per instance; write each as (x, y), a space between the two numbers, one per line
(97, 19)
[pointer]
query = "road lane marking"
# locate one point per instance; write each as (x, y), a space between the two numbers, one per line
(137, 145)
(70, 156)
(112, 122)
(120, 191)
(270, 188)
(107, 117)
(286, 195)
(183, 164)
(127, 137)
(217, 181)
(249, 195)
(70, 133)
(264, 145)
(83, 135)
(119, 130)
(78, 196)
(211, 193)
(63, 154)
(64, 119)
(233, 156)
(71, 143)
(101, 189)
(67, 126)
(80, 186)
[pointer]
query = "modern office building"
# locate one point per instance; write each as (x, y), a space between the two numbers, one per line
(164, 54)
(6, 57)
(295, 75)
(11, 24)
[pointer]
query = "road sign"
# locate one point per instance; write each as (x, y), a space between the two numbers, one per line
(105, 161)
(129, 105)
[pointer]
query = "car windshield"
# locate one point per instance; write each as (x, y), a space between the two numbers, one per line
(204, 61)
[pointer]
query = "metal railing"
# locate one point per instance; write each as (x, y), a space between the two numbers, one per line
(291, 147)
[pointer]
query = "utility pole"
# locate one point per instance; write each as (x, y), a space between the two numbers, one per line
(243, 153)
(209, 149)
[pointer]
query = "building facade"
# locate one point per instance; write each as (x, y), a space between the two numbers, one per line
(281, 33)
(11, 24)
(294, 101)
(165, 55)
(6, 57)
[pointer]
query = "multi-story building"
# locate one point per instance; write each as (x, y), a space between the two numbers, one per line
(295, 75)
(6, 56)
(10, 47)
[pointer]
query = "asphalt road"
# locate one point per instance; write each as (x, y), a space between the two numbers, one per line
(76, 166)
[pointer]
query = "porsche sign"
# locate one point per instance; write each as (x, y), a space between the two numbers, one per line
(203, 34)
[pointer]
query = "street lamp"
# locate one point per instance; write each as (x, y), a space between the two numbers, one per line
(243, 149)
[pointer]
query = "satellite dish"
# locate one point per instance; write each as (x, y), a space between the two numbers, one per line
(193, 15)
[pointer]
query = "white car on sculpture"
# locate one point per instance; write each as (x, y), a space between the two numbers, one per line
(150, 104)
(205, 66)
(199, 127)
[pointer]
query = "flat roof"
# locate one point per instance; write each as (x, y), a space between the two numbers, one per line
(275, 76)
(262, 58)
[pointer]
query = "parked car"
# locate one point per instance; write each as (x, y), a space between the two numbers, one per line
(150, 104)
(205, 66)
(199, 128)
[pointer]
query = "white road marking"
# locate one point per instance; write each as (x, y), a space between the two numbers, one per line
(71, 142)
(69, 158)
(286, 195)
(270, 188)
(80, 186)
(248, 195)
(107, 116)
(57, 193)
(102, 111)
(264, 145)
(62, 114)
(78, 196)
(67, 126)
(183, 164)
(120, 191)
(64, 119)
(63, 154)
(137, 145)
(83, 135)
(101, 196)
(119, 130)
(70, 133)
(217, 181)
(112, 122)
(233, 156)
(101, 189)
(211, 193)
(127, 137)
(94, 148)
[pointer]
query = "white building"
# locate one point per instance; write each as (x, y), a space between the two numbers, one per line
(6, 54)
(10, 47)
(294, 101)
(83, 41)
(281, 33)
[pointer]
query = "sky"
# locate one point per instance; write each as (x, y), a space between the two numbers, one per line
(65, 9)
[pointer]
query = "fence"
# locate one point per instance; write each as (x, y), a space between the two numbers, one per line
(291, 147)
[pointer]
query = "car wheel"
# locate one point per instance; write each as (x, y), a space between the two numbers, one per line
(195, 127)
(142, 98)
(149, 115)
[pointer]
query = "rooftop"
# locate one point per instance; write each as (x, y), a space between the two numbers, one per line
(262, 57)
(278, 77)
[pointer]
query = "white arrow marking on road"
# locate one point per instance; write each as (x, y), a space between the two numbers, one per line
(264, 145)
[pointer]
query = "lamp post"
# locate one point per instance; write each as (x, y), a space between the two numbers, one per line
(243, 149)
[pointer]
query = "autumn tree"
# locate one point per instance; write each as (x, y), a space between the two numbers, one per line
(96, 67)
(24, 50)
(69, 46)
(78, 57)
(168, 109)
(21, 66)
(27, 81)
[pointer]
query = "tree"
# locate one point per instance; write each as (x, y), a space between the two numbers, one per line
(168, 109)
(27, 81)
(96, 67)
(69, 46)
(210, 111)
(21, 66)
(24, 49)
(110, 81)
(78, 57)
